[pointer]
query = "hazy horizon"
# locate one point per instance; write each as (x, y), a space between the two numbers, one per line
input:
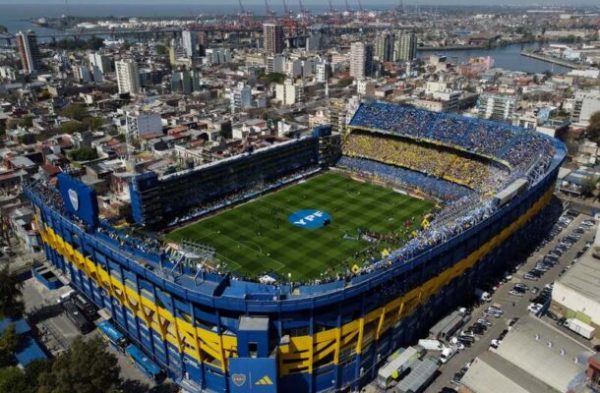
(294, 4)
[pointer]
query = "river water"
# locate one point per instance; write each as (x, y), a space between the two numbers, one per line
(506, 57)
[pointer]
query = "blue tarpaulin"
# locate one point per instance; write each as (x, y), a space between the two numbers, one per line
(29, 350)
(21, 326)
(110, 332)
(143, 361)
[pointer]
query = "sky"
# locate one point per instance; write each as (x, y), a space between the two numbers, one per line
(309, 2)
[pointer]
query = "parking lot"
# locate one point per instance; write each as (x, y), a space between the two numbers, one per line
(515, 293)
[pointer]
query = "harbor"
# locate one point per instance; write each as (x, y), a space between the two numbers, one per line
(553, 60)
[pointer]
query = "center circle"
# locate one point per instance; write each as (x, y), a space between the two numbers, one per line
(310, 219)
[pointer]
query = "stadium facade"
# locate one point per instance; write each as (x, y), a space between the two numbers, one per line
(217, 332)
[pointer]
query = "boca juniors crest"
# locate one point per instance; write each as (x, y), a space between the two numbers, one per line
(238, 379)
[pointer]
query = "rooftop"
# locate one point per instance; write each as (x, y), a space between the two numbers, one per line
(545, 353)
(584, 277)
(489, 373)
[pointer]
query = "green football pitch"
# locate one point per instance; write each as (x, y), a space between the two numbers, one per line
(257, 237)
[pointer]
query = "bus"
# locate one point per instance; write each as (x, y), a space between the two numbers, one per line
(144, 363)
(112, 335)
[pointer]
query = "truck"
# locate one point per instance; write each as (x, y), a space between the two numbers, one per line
(431, 345)
(482, 295)
(581, 328)
(447, 353)
(399, 363)
(75, 316)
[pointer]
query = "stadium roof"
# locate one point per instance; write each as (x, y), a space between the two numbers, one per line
(545, 353)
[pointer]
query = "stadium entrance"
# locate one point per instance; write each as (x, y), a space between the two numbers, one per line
(310, 219)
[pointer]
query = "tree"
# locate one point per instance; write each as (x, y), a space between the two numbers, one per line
(9, 342)
(14, 123)
(45, 95)
(11, 303)
(85, 368)
(93, 123)
(75, 112)
(33, 372)
(589, 186)
(26, 139)
(273, 77)
(12, 380)
(161, 50)
(69, 127)
(344, 82)
(593, 129)
(83, 154)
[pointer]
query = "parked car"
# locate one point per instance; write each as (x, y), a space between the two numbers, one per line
(535, 308)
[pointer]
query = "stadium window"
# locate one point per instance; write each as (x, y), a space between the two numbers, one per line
(324, 361)
(253, 349)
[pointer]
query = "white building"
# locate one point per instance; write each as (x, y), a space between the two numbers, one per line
(216, 56)
(289, 93)
(128, 76)
(240, 97)
(450, 98)
(81, 74)
(143, 124)
(276, 63)
(405, 47)
(496, 107)
(190, 42)
(101, 61)
(584, 106)
(322, 71)
(361, 60)
(7, 72)
(577, 294)
(293, 68)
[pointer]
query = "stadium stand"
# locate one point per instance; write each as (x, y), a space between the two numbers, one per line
(518, 147)
(407, 179)
(168, 199)
(431, 160)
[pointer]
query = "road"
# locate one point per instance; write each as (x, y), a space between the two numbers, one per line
(502, 297)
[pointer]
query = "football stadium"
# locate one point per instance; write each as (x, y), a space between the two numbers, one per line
(300, 267)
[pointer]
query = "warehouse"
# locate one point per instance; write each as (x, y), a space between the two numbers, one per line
(533, 357)
(577, 293)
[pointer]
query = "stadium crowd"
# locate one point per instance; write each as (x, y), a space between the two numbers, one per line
(518, 147)
(430, 160)
(411, 180)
